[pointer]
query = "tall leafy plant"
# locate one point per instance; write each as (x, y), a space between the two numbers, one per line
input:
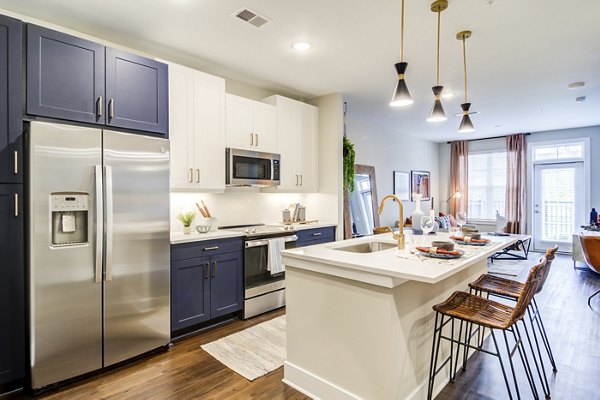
(349, 156)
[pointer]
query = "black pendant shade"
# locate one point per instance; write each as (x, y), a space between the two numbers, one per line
(466, 125)
(401, 94)
(437, 113)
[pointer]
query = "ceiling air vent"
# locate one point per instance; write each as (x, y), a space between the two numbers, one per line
(251, 17)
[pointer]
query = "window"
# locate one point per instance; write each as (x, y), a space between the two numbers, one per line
(487, 184)
(558, 152)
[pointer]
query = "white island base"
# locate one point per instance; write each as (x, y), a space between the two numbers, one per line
(348, 339)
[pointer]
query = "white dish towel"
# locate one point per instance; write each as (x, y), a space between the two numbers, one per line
(274, 264)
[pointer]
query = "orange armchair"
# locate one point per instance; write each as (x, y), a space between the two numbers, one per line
(591, 252)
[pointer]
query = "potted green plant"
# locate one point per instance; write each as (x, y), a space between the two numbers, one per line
(187, 218)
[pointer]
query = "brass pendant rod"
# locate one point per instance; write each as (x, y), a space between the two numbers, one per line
(438, 50)
(402, 34)
(465, 65)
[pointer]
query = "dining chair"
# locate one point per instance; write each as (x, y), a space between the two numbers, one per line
(591, 252)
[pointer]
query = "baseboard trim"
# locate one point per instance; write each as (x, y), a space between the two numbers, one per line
(312, 385)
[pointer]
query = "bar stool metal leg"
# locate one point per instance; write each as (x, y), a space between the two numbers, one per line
(542, 329)
(502, 365)
(525, 360)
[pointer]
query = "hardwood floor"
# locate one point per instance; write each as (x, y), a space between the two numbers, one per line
(187, 372)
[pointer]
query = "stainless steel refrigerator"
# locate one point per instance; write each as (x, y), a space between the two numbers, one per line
(98, 248)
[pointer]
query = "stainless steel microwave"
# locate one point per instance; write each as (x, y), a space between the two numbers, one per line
(251, 168)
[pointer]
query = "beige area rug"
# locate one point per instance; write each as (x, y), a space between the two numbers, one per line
(512, 267)
(253, 352)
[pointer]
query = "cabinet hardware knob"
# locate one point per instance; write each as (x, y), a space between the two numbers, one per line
(99, 106)
(16, 162)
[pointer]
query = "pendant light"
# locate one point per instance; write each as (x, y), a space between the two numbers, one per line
(437, 111)
(466, 125)
(401, 95)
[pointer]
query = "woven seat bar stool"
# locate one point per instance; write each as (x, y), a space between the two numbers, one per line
(475, 310)
(511, 289)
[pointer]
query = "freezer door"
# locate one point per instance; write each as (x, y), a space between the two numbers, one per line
(65, 297)
(137, 245)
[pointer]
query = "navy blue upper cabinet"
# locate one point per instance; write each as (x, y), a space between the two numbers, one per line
(136, 92)
(78, 80)
(65, 76)
(11, 143)
(12, 287)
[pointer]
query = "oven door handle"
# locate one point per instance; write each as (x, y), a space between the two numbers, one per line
(265, 242)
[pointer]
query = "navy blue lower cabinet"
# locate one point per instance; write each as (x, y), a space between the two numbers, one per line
(136, 92)
(226, 284)
(190, 292)
(65, 76)
(206, 281)
(309, 237)
(11, 118)
(12, 285)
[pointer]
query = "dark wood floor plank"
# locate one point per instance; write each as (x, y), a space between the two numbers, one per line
(188, 372)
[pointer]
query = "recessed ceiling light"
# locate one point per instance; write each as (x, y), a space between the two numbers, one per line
(301, 46)
(448, 95)
(580, 99)
(576, 85)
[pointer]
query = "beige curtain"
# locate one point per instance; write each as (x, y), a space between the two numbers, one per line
(459, 177)
(516, 183)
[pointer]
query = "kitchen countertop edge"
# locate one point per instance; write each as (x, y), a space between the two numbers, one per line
(180, 237)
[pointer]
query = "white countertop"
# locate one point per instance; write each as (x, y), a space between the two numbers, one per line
(310, 225)
(180, 237)
(389, 267)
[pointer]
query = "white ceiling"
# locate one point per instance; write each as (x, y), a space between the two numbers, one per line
(521, 57)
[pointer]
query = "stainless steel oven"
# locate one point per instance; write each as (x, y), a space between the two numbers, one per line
(263, 291)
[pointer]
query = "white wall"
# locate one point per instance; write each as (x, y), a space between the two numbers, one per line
(388, 150)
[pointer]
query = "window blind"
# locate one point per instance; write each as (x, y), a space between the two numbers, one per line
(487, 184)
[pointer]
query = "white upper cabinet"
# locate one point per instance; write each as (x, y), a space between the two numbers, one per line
(297, 135)
(197, 129)
(251, 125)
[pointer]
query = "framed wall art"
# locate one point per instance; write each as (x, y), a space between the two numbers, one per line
(402, 185)
(420, 183)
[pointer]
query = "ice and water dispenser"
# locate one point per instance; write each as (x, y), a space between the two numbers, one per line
(69, 218)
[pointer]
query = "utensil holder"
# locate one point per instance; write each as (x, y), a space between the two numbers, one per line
(212, 222)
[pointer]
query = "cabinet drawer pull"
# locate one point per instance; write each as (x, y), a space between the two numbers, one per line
(251, 139)
(111, 108)
(317, 234)
(99, 106)
(296, 180)
(16, 204)
(197, 176)
(256, 134)
(301, 180)
(206, 268)
(191, 177)
(211, 248)
(214, 271)
(16, 162)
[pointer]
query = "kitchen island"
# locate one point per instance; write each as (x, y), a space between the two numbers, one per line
(360, 322)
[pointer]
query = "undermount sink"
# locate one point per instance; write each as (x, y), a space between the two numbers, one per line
(367, 247)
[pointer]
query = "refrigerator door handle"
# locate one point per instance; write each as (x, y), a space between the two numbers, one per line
(109, 222)
(99, 223)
